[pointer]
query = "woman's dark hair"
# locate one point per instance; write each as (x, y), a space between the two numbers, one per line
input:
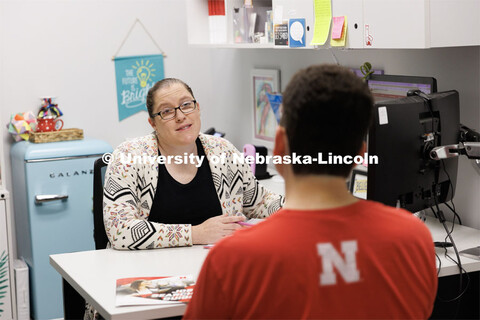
(164, 83)
(326, 109)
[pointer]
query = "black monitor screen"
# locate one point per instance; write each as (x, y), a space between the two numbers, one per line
(387, 87)
(402, 135)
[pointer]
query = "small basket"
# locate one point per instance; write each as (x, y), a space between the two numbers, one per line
(52, 136)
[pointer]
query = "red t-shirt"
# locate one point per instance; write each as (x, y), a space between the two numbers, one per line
(365, 260)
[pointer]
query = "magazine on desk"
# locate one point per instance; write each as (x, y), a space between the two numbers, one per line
(153, 290)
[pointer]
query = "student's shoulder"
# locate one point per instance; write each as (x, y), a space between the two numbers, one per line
(397, 218)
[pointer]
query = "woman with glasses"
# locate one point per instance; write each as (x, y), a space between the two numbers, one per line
(152, 202)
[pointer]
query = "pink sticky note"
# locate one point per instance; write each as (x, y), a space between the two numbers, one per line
(337, 27)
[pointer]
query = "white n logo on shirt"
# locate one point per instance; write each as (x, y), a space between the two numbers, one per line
(330, 257)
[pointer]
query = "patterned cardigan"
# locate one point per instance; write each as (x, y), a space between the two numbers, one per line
(130, 187)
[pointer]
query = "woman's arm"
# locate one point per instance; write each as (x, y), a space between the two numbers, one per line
(258, 201)
(128, 196)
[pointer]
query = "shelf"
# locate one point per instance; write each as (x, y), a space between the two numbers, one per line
(372, 24)
(245, 46)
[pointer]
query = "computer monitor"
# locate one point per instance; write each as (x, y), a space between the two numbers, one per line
(402, 135)
(386, 87)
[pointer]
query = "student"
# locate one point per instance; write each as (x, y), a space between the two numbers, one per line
(326, 254)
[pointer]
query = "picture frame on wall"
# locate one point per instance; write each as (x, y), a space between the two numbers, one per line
(358, 184)
(266, 116)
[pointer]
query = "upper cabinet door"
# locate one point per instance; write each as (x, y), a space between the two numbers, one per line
(396, 24)
(353, 10)
(454, 23)
(298, 9)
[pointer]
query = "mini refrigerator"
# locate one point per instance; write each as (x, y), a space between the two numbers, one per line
(53, 201)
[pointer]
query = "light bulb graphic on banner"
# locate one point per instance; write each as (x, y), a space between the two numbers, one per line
(144, 72)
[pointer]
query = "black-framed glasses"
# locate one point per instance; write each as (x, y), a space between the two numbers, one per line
(170, 113)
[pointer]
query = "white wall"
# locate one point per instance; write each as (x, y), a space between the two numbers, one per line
(64, 48)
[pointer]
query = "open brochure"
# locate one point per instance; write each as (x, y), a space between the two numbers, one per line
(153, 290)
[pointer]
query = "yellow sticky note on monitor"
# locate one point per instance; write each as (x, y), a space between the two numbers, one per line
(340, 42)
(323, 17)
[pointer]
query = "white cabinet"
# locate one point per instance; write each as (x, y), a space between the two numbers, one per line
(353, 10)
(396, 24)
(376, 24)
(420, 24)
(6, 260)
(454, 23)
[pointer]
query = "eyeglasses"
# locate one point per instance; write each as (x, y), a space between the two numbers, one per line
(170, 113)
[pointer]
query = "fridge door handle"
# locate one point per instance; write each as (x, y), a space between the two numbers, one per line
(49, 197)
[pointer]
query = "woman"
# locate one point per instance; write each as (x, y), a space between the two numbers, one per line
(150, 205)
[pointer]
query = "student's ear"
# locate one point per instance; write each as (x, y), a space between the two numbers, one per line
(281, 149)
(361, 152)
(281, 145)
(363, 149)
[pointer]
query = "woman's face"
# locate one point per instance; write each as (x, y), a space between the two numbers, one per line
(183, 129)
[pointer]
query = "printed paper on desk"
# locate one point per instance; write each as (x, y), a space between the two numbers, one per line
(340, 42)
(323, 17)
(153, 290)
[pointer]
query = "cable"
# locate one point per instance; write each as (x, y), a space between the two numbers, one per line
(439, 214)
(453, 193)
(461, 275)
(458, 262)
(454, 212)
(434, 213)
(439, 264)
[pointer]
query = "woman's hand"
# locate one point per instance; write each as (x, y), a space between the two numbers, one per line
(213, 229)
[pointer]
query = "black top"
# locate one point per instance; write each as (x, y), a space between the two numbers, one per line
(191, 203)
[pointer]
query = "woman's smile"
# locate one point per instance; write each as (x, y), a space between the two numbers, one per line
(184, 127)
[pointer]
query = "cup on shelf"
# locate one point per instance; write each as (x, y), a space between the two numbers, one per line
(49, 124)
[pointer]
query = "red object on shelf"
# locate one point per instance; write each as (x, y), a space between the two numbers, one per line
(216, 7)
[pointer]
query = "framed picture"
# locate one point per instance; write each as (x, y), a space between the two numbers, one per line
(358, 184)
(266, 115)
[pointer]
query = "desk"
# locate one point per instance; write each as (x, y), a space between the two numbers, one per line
(94, 273)
(464, 238)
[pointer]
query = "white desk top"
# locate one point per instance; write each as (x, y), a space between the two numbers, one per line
(94, 273)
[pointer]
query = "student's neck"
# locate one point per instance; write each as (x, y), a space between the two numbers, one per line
(311, 192)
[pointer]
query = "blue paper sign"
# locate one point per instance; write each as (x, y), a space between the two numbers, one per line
(296, 33)
(135, 75)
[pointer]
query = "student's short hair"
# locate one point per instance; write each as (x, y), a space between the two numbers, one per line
(159, 85)
(327, 109)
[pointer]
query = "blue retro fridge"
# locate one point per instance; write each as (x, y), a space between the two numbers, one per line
(52, 191)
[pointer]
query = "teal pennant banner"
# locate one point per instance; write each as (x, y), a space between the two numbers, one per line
(135, 75)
